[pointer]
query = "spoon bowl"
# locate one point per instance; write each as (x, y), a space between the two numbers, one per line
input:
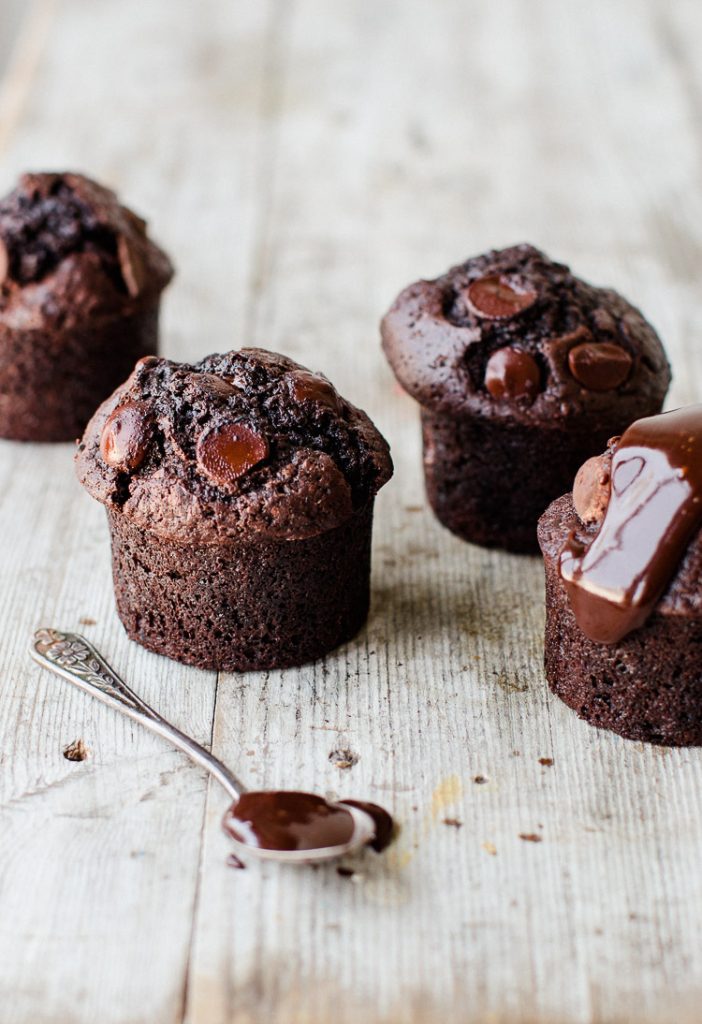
(286, 826)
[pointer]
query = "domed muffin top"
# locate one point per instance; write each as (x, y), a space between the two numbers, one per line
(241, 444)
(512, 335)
(70, 251)
(628, 541)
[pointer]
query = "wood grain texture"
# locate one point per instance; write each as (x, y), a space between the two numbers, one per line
(303, 161)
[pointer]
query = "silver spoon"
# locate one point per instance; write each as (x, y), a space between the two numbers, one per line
(71, 656)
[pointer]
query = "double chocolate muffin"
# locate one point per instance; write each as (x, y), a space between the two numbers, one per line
(623, 557)
(239, 493)
(522, 371)
(80, 284)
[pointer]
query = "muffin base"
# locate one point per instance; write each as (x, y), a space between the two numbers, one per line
(488, 482)
(646, 687)
(51, 382)
(255, 605)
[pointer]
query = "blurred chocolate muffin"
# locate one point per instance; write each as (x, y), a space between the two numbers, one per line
(80, 284)
(522, 371)
(239, 492)
(623, 558)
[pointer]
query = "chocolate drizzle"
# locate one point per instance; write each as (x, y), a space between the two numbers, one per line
(615, 579)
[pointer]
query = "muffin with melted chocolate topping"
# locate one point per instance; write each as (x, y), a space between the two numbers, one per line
(522, 371)
(239, 492)
(80, 284)
(623, 557)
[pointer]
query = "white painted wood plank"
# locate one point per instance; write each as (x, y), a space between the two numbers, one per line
(303, 161)
(11, 16)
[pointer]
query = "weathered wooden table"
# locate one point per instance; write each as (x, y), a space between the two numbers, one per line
(302, 160)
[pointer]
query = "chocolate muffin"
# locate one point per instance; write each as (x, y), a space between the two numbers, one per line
(80, 284)
(623, 557)
(522, 371)
(239, 492)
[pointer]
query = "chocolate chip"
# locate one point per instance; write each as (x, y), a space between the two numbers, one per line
(125, 437)
(225, 453)
(215, 385)
(146, 362)
(592, 487)
(131, 265)
(600, 367)
(4, 262)
(137, 222)
(311, 387)
(496, 297)
(511, 373)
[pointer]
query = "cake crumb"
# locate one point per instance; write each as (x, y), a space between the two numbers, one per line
(76, 751)
(546, 761)
(490, 848)
(453, 822)
(343, 758)
(530, 837)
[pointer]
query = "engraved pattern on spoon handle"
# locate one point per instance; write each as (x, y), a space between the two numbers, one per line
(72, 657)
(83, 665)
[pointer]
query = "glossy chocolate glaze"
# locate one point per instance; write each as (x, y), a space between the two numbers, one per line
(615, 579)
(293, 820)
(288, 820)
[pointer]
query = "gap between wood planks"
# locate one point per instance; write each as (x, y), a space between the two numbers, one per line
(25, 59)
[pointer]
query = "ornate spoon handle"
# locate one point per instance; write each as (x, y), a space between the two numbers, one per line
(75, 659)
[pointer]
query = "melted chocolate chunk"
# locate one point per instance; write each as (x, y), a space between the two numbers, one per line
(496, 297)
(228, 452)
(614, 579)
(288, 820)
(599, 367)
(511, 373)
(125, 437)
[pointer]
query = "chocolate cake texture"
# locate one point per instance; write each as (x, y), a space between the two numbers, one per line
(239, 493)
(623, 561)
(80, 284)
(522, 371)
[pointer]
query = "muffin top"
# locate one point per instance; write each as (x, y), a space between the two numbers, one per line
(628, 541)
(69, 251)
(241, 444)
(512, 335)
